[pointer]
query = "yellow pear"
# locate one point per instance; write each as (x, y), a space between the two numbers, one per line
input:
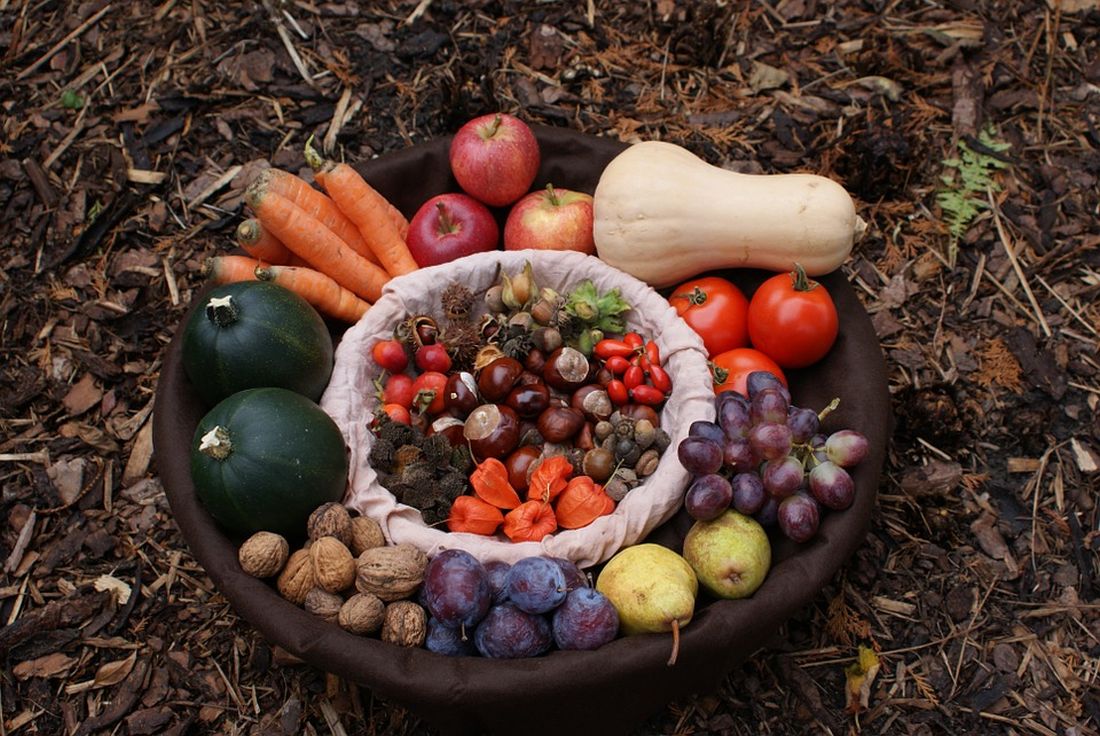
(731, 555)
(652, 588)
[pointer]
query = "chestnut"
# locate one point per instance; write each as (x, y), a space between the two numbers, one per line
(527, 378)
(593, 401)
(566, 369)
(497, 378)
(558, 424)
(536, 361)
(519, 465)
(460, 393)
(529, 400)
(450, 427)
(492, 431)
(586, 438)
(604, 376)
(641, 411)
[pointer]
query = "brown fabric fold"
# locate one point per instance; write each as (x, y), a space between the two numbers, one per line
(613, 689)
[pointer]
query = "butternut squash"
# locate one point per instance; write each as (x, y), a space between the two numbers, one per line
(663, 215)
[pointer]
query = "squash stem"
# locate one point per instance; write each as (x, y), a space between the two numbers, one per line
(222, 310)
(216, 443)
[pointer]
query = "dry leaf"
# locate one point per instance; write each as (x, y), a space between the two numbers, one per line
(765, 77)
(51, 665)
(82, 396)
(115, 672)
(120, 589)
(860, 676)
(67, 476)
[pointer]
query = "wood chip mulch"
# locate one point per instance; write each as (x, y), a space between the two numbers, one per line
(129, 130)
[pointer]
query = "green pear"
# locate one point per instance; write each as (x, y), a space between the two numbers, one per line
(653, 590)
(731, 555)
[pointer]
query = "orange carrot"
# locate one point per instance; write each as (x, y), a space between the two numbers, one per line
(260, 244)
(229, 269)
(327, 296)
(315, 160)
(314, 242)
(317, 205)
(367, 209)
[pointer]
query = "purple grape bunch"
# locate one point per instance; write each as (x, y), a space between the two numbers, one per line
(767, 458)
(512, 611)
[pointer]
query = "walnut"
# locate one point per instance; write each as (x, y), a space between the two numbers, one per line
(333, 565)
(263, 554)
(391, 573)
(326, 605)
(405, 624)
(330, 520)
(296, 579)
(365, 534)
(362, 614)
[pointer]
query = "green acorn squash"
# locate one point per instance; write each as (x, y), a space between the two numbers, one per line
(265, 458)
(254, 334)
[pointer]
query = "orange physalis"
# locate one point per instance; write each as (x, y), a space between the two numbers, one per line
(549, 478)
(471, 514)
(530, 522)
(490, 482)
(581, 503)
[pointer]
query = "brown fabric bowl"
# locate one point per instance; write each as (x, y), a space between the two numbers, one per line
(615, 688)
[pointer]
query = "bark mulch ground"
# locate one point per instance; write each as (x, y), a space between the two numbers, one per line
(967, 130)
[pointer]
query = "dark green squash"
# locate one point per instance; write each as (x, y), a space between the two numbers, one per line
(252, 334)
(265, 458)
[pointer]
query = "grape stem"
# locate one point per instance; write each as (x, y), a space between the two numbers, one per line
(828, 409)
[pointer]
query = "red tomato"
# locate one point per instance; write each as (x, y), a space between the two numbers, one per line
(398, 389)
(390, 355)
(716, 309)
(433, 384)
(732, 368)
(792, 320)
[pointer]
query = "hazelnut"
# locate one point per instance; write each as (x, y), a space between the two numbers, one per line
(362, 614)
(365, 534)
(263, 554)
(333, 565)
(405, 624)
(296, 579)
(330, 520)
(323, 604)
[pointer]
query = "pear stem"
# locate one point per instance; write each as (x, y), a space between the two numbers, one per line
(675, 642)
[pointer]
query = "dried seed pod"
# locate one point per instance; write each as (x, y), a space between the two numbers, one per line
(603, 430)
(263, 554)
(628, 476)
(405, 624)
(296, 579)
(661, 440)
(323, 604)
(644, 433)
(391, 573)
(624, 430)
(647, 463)
(362, 614)
(330, 520)
(365, 534)
(333, 565)
(616, 489)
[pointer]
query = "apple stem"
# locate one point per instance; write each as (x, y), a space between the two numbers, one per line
(446, 224)
(494, 126)
(675, 642)
(552, 195)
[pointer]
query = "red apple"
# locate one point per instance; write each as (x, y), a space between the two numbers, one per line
(495, 158)
(449, 226)
(551, 219)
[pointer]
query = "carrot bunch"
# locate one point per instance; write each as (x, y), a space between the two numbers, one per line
(336, 248)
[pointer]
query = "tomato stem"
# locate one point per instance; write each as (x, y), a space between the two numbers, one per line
(720, 374)
(802, 282)
(695, 298)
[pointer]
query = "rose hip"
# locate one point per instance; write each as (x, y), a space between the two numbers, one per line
(647, 395)
(658, 376)
(433, 358)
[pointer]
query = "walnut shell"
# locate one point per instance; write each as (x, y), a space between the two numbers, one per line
(333, 565)
(362, 614)
(296, 579)
(365, 534)
(263, 554)
(391, 573)
(405, 624)
(330, 520)
(326, 605)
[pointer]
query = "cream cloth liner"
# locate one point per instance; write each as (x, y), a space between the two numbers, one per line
(351, 402)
